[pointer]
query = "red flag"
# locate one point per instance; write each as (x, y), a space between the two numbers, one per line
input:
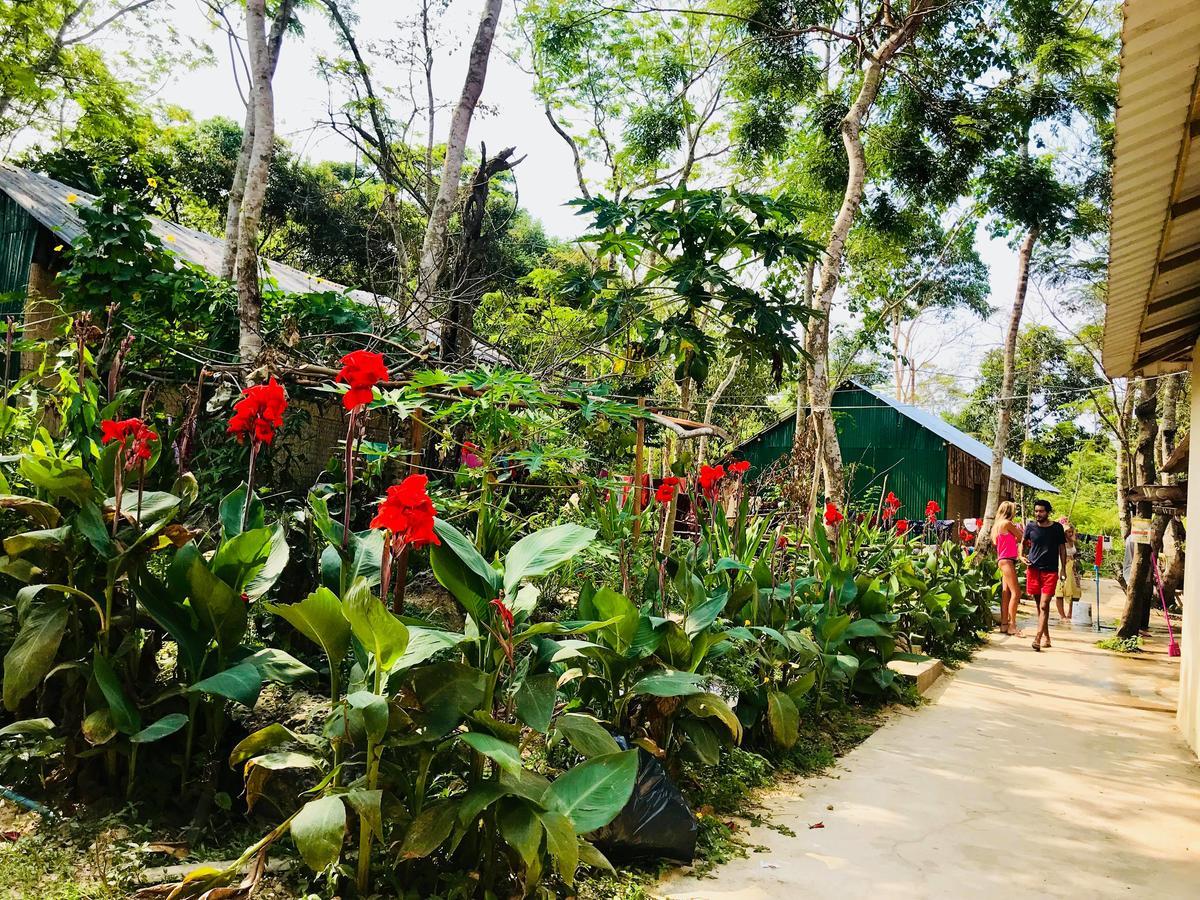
(1099, 551)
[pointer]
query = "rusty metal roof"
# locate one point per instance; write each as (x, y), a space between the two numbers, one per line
(1153, 316)
(47, 201)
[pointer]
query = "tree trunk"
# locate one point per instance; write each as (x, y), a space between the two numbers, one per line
(710, 407)
(233, 210)
(1004, 410)
(458, 327)
(262, 101)
(1141, 581)
(1124, 463)
(433, 248)
(819, 388)
(1168, 432)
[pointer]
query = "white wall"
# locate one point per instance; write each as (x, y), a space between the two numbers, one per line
(1189, 676)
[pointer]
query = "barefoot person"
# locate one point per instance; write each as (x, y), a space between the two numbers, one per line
(1045, 546)
(1070, 586)
(1006, 535)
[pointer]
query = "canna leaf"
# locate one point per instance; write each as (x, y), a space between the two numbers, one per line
(591, 794)
(318, 830)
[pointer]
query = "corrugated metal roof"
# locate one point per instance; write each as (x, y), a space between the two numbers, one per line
(961, 440)
(1153, 314)
(935, 424)
(46, 200)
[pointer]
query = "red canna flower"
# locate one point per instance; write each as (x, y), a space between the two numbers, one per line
(469, 457)
(361, 371)
(670, 486)
(739, 467)
(932, 509)
(259, 413)
(408, 513)
(964, 536)
(891, 503)
(506, 615)
(133, 436)
(710, 477)
(783, 542)
(832, 516)
(902, 526)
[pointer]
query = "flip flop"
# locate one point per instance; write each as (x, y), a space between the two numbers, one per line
(1036, 646)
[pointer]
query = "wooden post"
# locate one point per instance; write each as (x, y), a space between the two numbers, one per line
(416, 441)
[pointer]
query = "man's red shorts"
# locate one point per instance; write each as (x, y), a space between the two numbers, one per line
(1040, 582)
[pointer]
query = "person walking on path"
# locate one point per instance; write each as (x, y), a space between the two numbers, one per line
(1045, 547)
(1007, 536)
(1070, 587)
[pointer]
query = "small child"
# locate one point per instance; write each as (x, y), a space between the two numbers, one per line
(1070, 588)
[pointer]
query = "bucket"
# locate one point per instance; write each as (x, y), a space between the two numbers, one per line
(1082, 613)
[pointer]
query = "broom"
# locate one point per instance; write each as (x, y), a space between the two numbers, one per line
(1173, 648)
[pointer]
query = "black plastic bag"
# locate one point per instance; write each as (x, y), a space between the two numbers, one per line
(656, 823)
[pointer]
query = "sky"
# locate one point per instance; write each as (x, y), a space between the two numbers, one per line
(508, 115)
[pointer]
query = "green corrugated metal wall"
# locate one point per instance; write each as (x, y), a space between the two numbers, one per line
(18, 231)
(878, 441)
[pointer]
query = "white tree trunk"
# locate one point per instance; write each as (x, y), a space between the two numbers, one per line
(819, 387)
(711, 405)
(433, 248)
(1004, 408)
(237, 190)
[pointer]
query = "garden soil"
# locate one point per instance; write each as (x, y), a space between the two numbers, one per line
(1052, 774)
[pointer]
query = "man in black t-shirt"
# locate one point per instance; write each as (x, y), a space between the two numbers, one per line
(1045, 547)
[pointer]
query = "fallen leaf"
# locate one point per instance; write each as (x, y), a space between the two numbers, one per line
(817, 825)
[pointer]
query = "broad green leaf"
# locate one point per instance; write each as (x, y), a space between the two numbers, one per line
(172, 616)
(164, 727)
(608, 604)
(242, 684)
(383, 635)
(586, 735)
(319, 618)
(41, 727)
(231, 511)
(98, 727)
(461, 570)
(834, 627)
(783, 719)
(274, 735)
(670, 684)
(702, 741)
(218, 607)
(318, 831)
(272, 567)
(239, 558)
(369, 807)
(591, 794)
(374, 712)
(42, 514)
(429, 829)
(712, 706)
(562, 843)
(57, 477)
(865, 628)
(424, 643)
(801, 686)
(502, 753)
(447, 692)
(20, 569)
(278, 666)
(543, 551)
(521, 830)
(535, 701)
(124, 713)
(156, 506)
(32, 652)
(593, 858)
(476, 799)
(45, 539)
(704, 614)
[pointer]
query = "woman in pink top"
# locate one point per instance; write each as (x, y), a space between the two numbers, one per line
(1006, 535)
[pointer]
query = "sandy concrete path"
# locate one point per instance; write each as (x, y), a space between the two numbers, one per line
(1055, 774)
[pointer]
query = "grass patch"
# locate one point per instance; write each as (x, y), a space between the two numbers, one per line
(1121, 645)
